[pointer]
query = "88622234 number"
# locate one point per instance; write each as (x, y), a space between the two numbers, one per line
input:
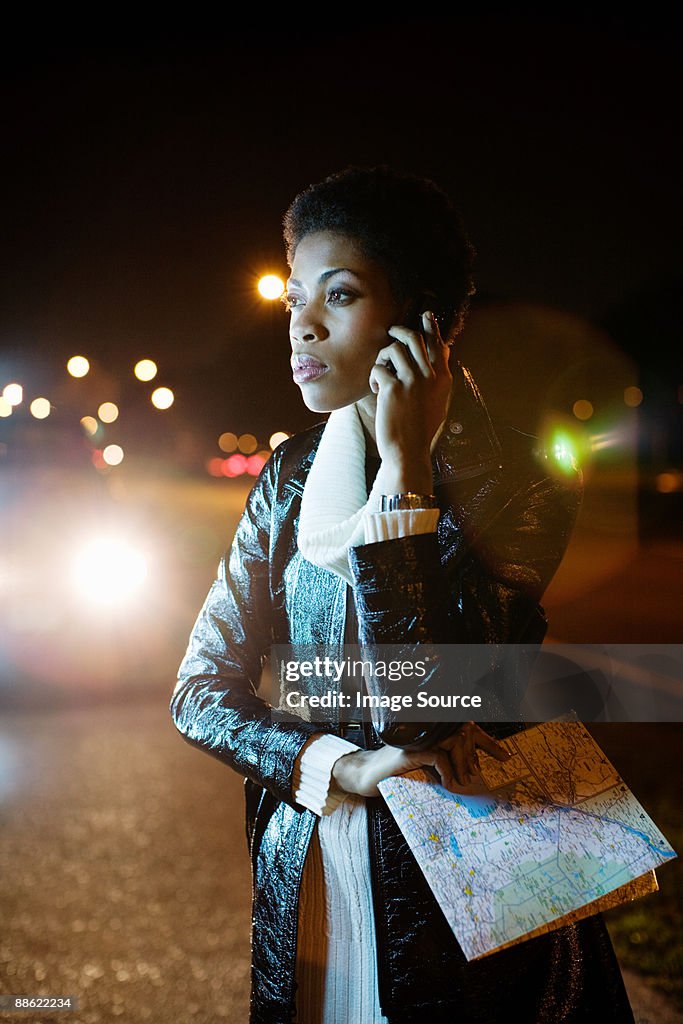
(19, 1003)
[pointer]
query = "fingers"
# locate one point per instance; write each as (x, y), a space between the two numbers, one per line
(458, 756)
(491, 746)
(424, 348)
(450, 776)
(381, 376)
(469, 752)
(435, 344)
(408, 353)
(461, 749)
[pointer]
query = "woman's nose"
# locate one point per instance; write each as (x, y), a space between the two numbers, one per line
(306, 327)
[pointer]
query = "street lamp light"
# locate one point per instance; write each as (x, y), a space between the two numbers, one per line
(271, 287)
(13, 393)
(78, 366)
(145, 369)
(162, 398)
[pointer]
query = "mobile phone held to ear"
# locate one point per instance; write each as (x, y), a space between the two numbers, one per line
(427, 301)
(414, 319)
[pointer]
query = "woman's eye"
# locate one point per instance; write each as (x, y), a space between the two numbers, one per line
(292, 301)
(337, 296)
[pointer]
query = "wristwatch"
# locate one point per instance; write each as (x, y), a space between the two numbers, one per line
(408, 500)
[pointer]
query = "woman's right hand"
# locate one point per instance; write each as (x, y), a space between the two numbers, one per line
(454, 760)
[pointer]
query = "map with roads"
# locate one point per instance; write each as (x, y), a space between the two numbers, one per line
(555, 830)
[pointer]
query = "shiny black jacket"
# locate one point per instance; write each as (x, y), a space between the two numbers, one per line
(506, 515)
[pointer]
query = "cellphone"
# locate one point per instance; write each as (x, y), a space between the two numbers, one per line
(425, 302)
(414, 320)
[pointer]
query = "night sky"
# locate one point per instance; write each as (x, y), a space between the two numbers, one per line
(146, 173)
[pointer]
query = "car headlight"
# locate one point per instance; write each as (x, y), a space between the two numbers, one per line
(108, 571)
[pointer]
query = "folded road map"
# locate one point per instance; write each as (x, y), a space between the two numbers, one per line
(556, 836)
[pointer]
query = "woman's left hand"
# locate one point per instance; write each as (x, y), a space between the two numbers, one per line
(454, 762)
(411, 403)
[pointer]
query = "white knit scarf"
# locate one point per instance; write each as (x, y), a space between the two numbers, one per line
(335, 501)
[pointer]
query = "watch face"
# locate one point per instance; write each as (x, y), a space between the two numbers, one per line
(394, 502)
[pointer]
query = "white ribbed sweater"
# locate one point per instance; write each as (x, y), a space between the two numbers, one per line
(336, 966)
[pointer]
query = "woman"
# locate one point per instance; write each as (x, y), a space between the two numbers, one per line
(404, 517)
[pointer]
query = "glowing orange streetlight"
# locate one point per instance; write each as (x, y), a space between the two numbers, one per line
(271, 287)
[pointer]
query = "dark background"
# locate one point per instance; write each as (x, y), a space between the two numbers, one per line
(146, 164)
(147, 167)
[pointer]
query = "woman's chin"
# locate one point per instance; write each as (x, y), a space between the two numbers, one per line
(319, 399)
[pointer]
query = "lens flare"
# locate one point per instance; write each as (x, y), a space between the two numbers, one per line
(564, 451)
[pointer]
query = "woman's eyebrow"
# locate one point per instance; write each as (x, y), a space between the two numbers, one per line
(327, 274)
(337, 270)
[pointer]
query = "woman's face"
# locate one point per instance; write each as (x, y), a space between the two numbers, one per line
(341, 306)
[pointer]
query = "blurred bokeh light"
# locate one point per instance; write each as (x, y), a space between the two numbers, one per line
(277, 438)
(582, 409)
(113, 454)
(633, 396)
(108, 571)
(146, 369)
(13, 393)
(90, 425)
(40, 408)
(227, 442)
(162, 398)
(78, 366)
(108, 412)
(247, 443)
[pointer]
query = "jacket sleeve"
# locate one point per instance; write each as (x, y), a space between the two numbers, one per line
(469, 583)
(215, 704)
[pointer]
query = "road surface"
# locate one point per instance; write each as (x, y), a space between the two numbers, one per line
(124, 874)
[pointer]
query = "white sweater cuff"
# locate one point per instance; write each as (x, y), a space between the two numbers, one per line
(312, 775)
(399, 523)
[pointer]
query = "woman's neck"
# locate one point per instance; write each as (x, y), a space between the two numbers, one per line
(366, 410)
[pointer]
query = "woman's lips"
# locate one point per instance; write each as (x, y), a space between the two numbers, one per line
(306, 368)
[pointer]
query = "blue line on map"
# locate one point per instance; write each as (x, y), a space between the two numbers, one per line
(614, 821)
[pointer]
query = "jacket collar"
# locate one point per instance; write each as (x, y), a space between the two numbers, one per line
(468, 445)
